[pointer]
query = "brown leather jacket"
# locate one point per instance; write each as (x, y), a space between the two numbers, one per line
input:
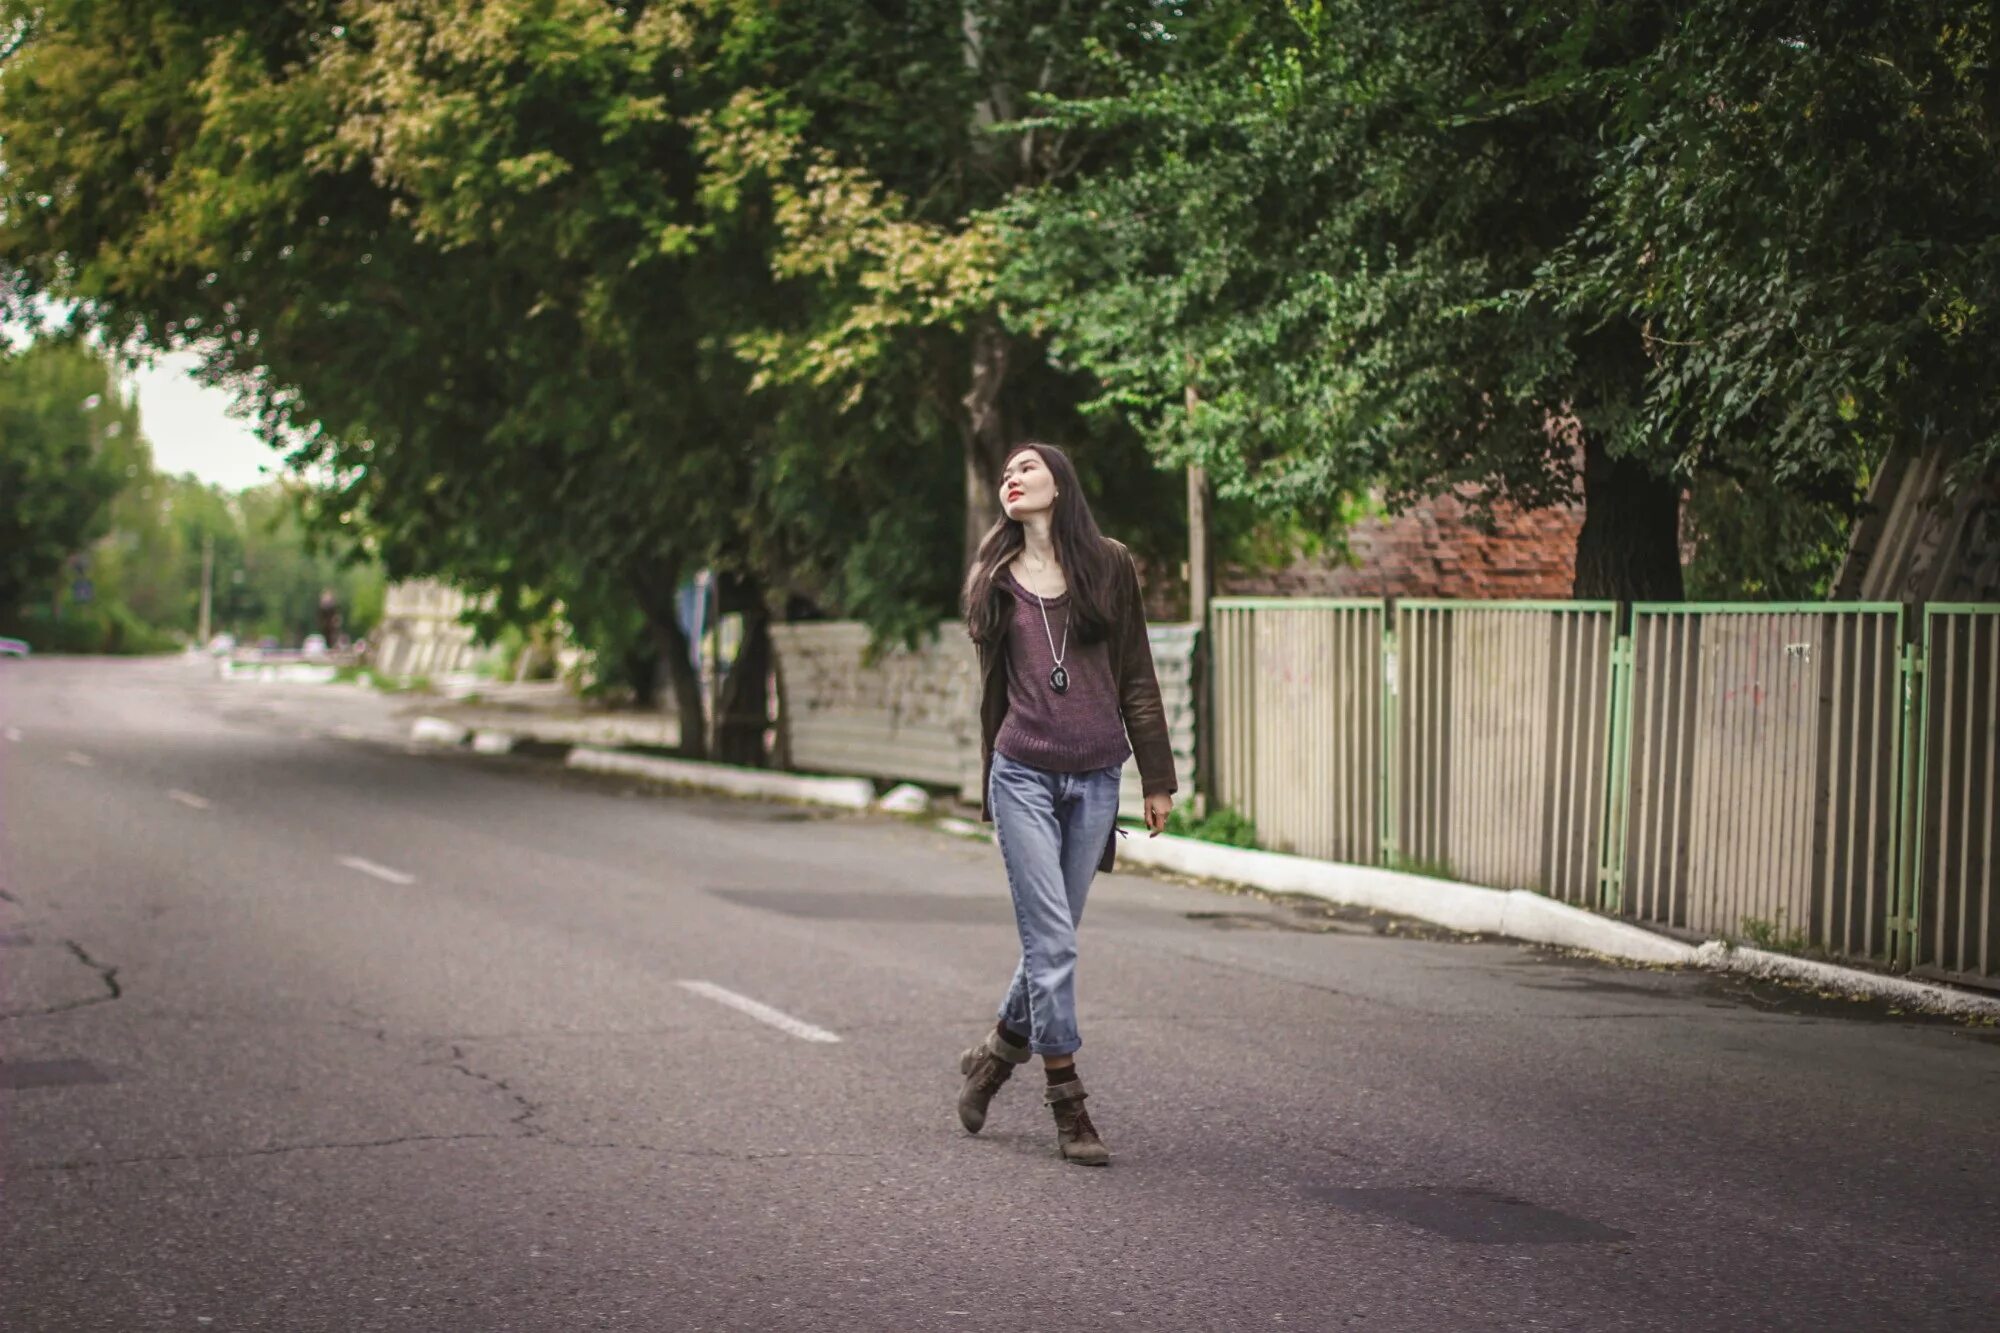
(1138, 695)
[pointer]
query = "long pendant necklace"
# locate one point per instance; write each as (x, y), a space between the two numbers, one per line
(1058, 678)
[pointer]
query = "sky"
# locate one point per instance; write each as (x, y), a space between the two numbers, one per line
(191, 429)
(188, 424)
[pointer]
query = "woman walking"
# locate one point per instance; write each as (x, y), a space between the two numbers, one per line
(1067, 695)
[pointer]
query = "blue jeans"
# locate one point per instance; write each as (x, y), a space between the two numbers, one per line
(1051, 828)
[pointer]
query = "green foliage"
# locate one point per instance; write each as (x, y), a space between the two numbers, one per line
(92, 627)
(566, 300)
(1744, 247)
(1221, 824)
(570, 300)
(67, 439)
(853, 157)
(1322, 230)
(1798, 203)
(476, 333)
(1763, 543)
(511, 327)
(270, 577)
(86, 504)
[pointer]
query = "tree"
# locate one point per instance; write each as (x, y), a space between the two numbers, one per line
(437, 246)
(859, 150)
(71, 446)
(67, 435)
(1332, 233)
(1799, 205)
(469, 260)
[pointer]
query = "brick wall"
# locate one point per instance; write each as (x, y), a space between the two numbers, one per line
(1431, 550)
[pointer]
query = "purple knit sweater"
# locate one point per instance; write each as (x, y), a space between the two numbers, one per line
(1075, 732)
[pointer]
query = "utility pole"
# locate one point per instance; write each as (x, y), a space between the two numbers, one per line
(1201, 585)
(201, 634)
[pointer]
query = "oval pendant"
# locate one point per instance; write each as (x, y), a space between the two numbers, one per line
(1059, 681)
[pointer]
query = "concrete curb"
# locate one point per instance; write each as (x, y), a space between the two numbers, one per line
(436, 731)
(1461, 907)
(601, 729)
(1918, 995)
(841, 793)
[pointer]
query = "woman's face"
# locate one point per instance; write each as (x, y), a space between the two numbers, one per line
(1027, 487)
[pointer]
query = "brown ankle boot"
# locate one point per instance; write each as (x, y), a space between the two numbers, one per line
(1076, 1137)
(986, 1066)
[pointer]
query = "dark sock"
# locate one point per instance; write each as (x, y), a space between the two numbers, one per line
(1011, 1038)
(1060, 1074)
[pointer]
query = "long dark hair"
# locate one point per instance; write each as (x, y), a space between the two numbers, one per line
(1086, 557)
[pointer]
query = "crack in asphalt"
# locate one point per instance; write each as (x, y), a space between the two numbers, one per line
(108, 975)
(529, 1109)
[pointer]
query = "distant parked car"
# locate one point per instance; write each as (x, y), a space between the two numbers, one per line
(14, 648)
(314, 646)
(222, 645)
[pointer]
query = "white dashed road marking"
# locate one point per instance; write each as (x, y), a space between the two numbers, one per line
(187, 798)
(79, 758)
(379, 872)
(763, 1013)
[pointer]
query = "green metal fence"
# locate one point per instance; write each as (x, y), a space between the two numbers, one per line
(1301, 716)
(1761, 758)
(1800, 775)
(1950, 875)
(1499, 755)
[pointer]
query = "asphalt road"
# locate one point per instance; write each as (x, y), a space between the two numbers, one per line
(302, 1032)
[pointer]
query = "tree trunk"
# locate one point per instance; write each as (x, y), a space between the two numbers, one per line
(1629, 549)
(743, 703)
(658, 604)
(986, 430)
(674, 647)
(745, 706)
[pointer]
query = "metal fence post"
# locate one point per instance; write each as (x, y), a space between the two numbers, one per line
(1391, 738)
(1617, 778)
(1906, 830)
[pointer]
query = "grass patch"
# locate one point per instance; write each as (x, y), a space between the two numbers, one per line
(1419, 865)
(399, 684)
(1221, 824)
(1774, 935)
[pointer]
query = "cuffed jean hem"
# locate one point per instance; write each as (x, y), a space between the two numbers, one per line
(1014, 1023)
(1060, 1048)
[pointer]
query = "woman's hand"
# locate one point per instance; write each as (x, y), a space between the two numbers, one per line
(1157, 807)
